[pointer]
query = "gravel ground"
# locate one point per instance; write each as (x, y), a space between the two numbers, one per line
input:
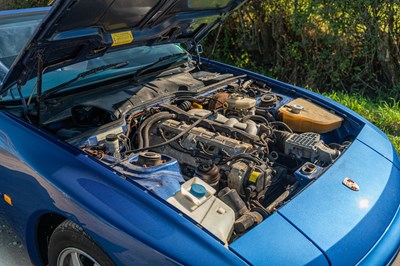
(11, 250)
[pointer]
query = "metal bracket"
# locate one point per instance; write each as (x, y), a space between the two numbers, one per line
(199, 51)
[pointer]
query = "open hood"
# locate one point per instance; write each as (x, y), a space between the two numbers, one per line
(77, 30)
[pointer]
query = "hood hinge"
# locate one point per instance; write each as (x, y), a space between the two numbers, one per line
(199, 50)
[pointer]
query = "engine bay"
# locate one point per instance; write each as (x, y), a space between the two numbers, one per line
(225, 150)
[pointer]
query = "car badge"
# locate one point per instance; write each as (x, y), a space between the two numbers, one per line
(351, 184)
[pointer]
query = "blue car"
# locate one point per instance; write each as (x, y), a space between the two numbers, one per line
(121, 145)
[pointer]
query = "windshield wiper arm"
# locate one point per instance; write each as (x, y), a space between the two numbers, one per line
(3, 68)
(142, 70)
(83, 75)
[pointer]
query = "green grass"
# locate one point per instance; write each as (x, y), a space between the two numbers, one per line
(385, 114)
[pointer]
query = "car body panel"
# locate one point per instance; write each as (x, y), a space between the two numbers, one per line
(369, 134)
(339, 220)
(387, 247)
(278, 243)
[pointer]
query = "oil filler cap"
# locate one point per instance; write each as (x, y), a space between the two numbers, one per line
(198, 190)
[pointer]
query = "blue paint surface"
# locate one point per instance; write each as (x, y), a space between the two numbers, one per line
(276, 242)
(345, 224)
(326, 224)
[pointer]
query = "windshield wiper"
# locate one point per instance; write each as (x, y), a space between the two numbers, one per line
(3, 68)
(83, 75)
(142, 70)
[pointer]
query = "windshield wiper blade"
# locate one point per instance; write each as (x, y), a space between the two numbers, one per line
(142, 70)
(83, 75)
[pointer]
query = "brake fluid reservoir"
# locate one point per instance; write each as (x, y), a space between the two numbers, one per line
(112, 145)
(304, 116)
(196, 199)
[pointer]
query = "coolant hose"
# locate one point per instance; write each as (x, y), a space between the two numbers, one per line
(156, 117)
(152, 121)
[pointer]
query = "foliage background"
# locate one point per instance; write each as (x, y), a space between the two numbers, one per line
(348, 50)
(16, 4)
(341, 44)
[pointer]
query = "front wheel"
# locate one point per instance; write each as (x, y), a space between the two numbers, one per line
(70, 246)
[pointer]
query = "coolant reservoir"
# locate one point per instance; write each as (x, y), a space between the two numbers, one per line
(196, 199)
(304, 116)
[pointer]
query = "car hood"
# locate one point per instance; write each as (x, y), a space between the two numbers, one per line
(77, 30)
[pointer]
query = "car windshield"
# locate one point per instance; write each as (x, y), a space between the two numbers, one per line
(136, 59)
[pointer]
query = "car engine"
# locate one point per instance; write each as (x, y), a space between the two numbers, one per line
(227, 153)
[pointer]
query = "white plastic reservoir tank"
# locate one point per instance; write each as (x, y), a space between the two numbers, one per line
(196, 199)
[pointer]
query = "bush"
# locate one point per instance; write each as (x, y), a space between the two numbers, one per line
(16, 4)
(329, 45)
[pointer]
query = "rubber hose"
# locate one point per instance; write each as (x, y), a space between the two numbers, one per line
(154, 119)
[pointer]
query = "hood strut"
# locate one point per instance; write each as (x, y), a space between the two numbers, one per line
(39, 83)
(24, 105)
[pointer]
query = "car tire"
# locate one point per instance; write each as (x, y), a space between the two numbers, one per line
(69, 242)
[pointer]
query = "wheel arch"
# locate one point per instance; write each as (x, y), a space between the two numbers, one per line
(46, 224)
